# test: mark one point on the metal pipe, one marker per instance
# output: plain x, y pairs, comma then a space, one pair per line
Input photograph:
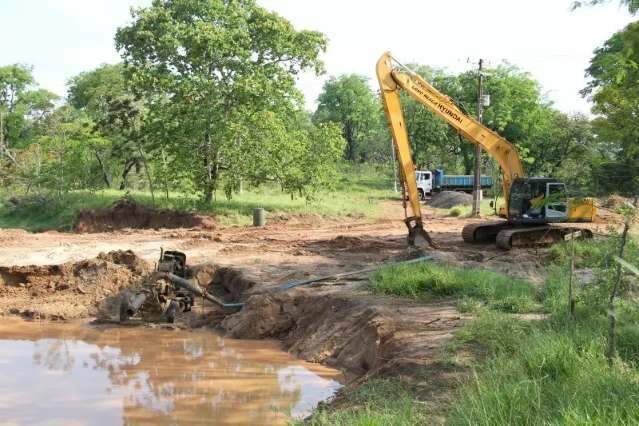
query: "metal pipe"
192, 287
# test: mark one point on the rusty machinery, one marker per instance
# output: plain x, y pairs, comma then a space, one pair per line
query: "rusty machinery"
168, 291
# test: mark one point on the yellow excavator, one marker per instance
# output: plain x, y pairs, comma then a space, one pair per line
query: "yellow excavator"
532, 204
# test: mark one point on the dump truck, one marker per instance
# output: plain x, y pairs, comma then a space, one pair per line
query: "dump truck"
429, 182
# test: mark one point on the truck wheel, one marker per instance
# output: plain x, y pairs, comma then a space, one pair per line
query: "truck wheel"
422, 197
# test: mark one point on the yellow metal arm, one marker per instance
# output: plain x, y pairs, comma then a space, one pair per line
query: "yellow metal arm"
391, 79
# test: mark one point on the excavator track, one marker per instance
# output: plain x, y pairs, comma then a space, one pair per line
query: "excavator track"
536, 236
483, 232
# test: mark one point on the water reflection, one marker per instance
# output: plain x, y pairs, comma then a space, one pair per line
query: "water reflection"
72, 374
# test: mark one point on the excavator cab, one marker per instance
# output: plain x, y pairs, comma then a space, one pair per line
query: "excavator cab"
537, 200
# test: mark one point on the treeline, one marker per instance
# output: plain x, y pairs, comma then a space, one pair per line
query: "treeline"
205, 100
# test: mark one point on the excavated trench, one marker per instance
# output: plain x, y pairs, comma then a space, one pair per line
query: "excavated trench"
345, 328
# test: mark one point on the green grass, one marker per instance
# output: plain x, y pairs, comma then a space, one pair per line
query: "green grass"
543, 371
423, 280
554, 371
378, 402
358, 193
539, 374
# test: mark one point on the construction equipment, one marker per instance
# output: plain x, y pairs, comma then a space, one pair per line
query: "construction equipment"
531, 204
168, 291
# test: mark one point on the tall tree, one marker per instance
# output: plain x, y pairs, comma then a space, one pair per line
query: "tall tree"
613, 88
209, 67
349, 101
518, 112
22, 107
103, 94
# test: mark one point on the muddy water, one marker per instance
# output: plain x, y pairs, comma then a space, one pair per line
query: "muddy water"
74, 374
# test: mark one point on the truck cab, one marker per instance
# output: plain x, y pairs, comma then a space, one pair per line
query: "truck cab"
424, 183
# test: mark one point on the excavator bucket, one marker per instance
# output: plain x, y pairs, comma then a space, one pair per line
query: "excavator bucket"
419, 237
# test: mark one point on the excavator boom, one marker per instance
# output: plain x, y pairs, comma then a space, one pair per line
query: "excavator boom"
394, 77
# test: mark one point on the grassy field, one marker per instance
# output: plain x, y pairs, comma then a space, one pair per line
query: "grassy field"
548, 370
357, 193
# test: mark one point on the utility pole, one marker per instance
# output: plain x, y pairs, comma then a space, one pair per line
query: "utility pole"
477, 179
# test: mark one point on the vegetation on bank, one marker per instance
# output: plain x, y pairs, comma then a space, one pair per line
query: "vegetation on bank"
475, 287
357, 193
551, 369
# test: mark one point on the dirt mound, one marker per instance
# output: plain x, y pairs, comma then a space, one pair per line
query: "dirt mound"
69, 290
127, 213
614, 201
356, 334
448, 199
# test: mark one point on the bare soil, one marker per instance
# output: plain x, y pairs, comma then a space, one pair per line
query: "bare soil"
126, 213
59, 276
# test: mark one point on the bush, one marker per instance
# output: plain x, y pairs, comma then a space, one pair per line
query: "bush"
455, 212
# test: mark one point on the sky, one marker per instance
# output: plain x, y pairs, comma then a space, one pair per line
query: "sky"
61, 38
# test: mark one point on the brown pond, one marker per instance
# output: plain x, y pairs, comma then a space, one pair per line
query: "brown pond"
75, 374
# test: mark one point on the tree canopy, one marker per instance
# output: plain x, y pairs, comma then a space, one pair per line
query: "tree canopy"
208, 71
613, 88
349, 101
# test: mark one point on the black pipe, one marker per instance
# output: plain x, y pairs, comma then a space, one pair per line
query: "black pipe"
192, 287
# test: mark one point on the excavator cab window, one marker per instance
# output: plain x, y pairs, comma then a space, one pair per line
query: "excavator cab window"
556, 204
520, 194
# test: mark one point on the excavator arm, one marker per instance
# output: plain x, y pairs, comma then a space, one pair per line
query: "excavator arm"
393, 77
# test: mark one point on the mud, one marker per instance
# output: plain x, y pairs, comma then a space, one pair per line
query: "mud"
77, 374
126, 213
69, 290
345, 327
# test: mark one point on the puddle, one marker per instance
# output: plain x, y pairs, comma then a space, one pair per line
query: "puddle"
73, 374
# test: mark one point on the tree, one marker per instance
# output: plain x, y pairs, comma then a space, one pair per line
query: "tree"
632, 5
433, 143
23, 107
70, 151
349, 102
518, 112
207, 69
103, 94
613, 88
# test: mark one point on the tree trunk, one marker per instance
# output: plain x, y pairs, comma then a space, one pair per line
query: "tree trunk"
350, 148
3, 145
105, 172
148, 175
211, 168
128, 165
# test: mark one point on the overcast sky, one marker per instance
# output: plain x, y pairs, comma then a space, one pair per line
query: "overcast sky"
61, 38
